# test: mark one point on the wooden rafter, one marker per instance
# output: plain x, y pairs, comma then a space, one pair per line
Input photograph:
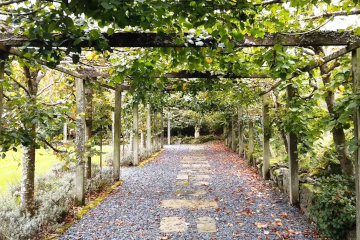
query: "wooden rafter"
135, 39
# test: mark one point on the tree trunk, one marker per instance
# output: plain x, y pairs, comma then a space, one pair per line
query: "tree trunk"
28, 157
136, 135
89, 121
117, 135
356, 82
337, 131
293, 155
28, 178
80, 143
266, 140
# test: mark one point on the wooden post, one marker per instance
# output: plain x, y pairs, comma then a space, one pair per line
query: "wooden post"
266, 140
136, 134
251, 141
80, 143
162, 129
117, 135
88, 120
233, 134
356, 83
2, 70
241, 132
155, 130
169, 130
148, 129
65, 133
113, 128
292, 155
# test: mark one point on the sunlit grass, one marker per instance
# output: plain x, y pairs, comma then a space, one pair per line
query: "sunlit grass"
10, 167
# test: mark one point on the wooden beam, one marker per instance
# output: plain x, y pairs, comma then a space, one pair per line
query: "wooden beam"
168, 129
117, 135
148, 129
209, 75
356, 82
136, 134
80, 143
266, 138
144, 40
292, 154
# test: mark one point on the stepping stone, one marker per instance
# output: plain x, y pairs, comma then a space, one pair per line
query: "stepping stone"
206, 225
185, 192
204, 166
200, 177
201, 183
195, 171
184, 177
173, 224
182, 183
194, 204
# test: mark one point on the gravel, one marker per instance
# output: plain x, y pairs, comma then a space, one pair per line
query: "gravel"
248, 208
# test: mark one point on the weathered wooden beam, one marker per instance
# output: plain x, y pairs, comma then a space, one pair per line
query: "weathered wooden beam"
80, 143
266, 138
356, 83
168, 129
241, 132
292, 154
162, 128
136, 39
233, 133
2, 71
136, 134
251, 142
209, 75
148, 129
117, 135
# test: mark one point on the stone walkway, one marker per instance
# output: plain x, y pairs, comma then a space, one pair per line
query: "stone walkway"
193, 192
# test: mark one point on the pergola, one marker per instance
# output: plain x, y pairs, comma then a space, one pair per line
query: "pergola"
351, 43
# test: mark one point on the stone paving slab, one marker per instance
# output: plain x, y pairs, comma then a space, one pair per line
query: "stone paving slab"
194, 204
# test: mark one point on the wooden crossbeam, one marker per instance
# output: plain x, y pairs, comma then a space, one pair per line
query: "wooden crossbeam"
136, 39
209, 75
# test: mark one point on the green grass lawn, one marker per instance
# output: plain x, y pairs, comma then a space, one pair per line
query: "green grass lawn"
10, 167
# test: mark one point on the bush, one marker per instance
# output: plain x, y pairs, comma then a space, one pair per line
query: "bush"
53, 199
334, 207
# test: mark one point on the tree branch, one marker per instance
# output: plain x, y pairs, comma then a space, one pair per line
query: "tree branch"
52, 147
11, 2
309, 67
20, 85
334, 14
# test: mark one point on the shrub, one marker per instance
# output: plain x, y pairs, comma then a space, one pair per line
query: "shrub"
334, 207
53, 198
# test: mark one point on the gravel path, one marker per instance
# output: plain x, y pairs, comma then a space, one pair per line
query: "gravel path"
193, 192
